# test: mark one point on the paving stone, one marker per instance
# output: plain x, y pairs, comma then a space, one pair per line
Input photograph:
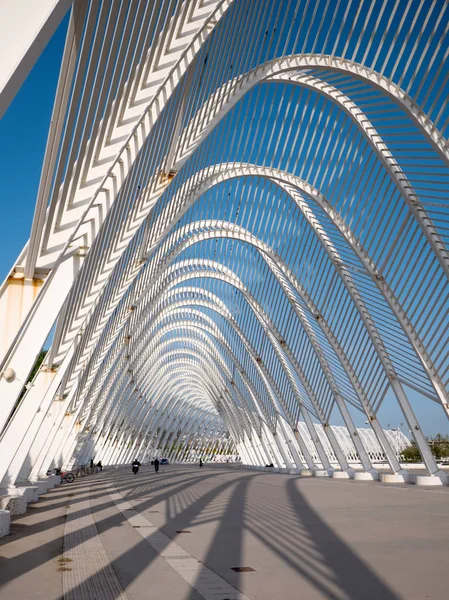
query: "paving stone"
88, 574
207, 583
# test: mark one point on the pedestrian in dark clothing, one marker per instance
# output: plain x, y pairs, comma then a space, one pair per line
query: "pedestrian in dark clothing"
91, 463
201, 464
156, 465
136, 465
99, 465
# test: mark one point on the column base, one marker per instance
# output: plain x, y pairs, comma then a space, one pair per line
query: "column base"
342, 474
15, 504
322, 472
306, 472
429, 479
366, 475
42, 485
401, 477
5, 522
56, 480
31, 492
52, 481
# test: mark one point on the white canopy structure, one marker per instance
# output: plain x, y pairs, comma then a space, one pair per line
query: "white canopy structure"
242, 224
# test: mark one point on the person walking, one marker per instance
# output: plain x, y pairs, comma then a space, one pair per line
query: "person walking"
156, 465
99, 465
201, 463
136, 465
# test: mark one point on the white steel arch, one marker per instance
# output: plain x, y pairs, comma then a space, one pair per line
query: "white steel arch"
241, 232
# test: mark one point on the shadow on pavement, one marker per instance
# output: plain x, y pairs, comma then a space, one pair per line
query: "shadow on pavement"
280, 519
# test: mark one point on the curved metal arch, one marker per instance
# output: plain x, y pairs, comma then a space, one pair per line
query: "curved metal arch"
276, 67
398, 92
163, 421
155, 415
227, 229
184, 400
216, 365
272, 72
314, 436
229, 351
231, 278
233, 90
230, 230
237, 423
216, 174
119, 372
143, 392
280, 352
371, 269
277, 397
146, 326
273, 335
104, 363
265, 316
348, 368
191, 395
161, 405
161, 369
350, 428
274, 341
252, 393
173, 308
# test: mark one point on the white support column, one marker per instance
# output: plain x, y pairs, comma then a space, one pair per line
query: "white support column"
279, 460
260, 452
259, 449
35, 329
281, 443
51, 451
118, 449
317, 442
243, 453
290, 440
19, 435
417, 433
16, 300
352, 430
271, 457
248, 454
183, 448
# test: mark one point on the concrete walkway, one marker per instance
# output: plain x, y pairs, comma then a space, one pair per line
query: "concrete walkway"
179, 534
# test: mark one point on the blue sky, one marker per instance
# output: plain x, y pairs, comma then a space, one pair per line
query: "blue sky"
23, 133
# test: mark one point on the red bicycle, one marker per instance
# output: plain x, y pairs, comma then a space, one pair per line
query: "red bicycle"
67, 476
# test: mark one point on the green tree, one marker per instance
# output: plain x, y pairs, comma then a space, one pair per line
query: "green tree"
440, 446
411, 454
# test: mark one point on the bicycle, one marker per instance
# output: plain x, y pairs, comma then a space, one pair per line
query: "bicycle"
67, 476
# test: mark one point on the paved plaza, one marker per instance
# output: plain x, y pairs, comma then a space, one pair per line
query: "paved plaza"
178, 535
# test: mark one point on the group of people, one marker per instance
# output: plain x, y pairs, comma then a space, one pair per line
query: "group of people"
136, 464
98, 465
